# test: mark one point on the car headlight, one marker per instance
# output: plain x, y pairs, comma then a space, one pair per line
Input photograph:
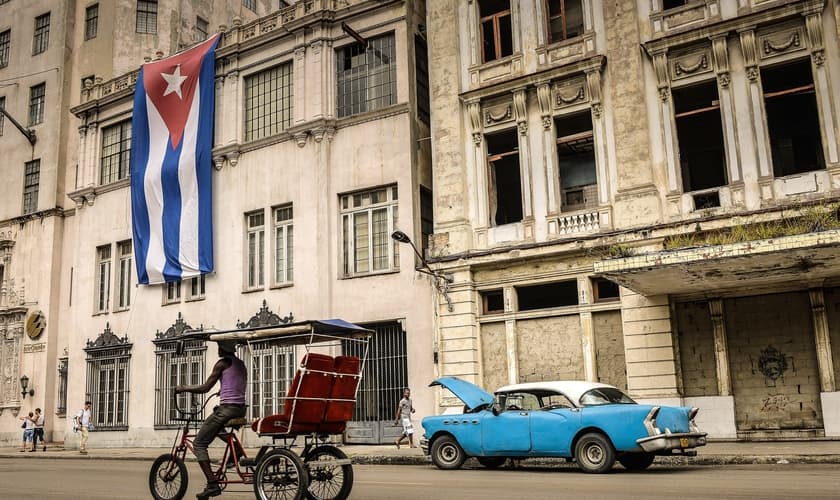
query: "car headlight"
692, 426
650, 422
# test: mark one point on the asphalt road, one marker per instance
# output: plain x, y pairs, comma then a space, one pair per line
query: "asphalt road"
118, 479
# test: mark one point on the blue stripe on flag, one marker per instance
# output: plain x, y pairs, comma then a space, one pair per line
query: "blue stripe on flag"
204, 163
171, 212
139, 160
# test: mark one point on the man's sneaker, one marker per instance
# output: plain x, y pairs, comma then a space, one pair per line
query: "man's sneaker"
212, 490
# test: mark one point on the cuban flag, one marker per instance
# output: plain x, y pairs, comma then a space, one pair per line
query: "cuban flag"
171, 165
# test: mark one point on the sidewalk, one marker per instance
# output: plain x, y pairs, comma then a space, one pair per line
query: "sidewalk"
716, 453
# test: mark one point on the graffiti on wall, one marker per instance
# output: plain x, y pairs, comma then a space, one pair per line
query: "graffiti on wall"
774, 403
773, 363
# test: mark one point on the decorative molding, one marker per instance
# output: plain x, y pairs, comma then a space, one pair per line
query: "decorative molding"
300, 138
264, 317
814, 31
720, 55
593, 81
497, 114
748, 50
11, 340
106, 340
769, 46
520, 106
474, 109
544, 100
701, 63
578, 94
233, 158
660, 67
176, 330
218, 162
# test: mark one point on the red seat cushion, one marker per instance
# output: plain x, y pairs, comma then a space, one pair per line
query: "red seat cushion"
310, 383
279, 424
347, 369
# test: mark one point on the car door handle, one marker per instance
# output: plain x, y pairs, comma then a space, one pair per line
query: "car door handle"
524, 413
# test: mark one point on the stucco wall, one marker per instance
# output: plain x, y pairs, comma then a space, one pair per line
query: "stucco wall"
493, 355
697, 348
549, 349
609, 348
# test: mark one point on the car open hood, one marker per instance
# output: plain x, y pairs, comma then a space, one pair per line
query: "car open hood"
472, 395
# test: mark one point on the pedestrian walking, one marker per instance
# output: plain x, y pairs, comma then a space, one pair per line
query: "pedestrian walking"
28, 427
82, 423
38, 430
404, 410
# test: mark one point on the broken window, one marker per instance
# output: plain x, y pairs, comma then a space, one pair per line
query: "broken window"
563, 293
565, 19
700, 136
672, 4
792, 118
496, 30
576, 161
505, 180
604, 290
493, 301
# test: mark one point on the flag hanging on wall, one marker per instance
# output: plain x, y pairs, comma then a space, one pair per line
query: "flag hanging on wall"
171, 165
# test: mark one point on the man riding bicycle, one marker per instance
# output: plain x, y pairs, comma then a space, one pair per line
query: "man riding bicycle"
230, 371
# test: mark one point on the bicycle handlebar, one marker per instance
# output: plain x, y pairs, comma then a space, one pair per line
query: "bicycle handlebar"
197, 410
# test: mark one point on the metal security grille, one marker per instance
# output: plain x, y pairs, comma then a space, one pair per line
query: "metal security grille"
271, 371
37, 102
268, 102
147, 16
107, 386
31, 181
385, 374
116, 150
61, 403
41, 40
366, 76
172, 370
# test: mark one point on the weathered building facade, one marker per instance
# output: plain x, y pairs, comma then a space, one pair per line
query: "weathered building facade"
321, 151
684, 150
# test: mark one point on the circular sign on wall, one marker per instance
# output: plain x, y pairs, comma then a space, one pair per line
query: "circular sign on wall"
35, 324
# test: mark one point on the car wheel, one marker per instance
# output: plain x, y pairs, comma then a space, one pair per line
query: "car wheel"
492, 462
447, 454
594, 453
636, 461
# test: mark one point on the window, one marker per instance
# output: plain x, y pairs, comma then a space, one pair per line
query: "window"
565, 19
201, 29
283, 245
172, 370
421, 64
172, 292
367, 77
103, 277
268, 102
271, 370
108, 363
37, 101
251, 4
91, 21
197, 288
604, 290
41, 39
505, 194
792, 118
147, 16
672, 4
368, 219
31, 180
5, 44
576, 162
116, 152
493, 302
496, 31
2, 116
61, 397
700, 136
255, 238
543, 296
427, 218
124, 276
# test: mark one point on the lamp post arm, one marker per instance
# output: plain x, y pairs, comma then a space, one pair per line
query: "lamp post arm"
28, 133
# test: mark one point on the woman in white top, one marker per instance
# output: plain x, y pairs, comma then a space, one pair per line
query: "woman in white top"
28, 431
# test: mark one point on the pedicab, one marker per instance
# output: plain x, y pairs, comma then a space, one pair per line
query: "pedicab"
320, 400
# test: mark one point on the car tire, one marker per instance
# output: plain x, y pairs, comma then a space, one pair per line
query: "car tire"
594, 453
492, 462
636, 461
447, 454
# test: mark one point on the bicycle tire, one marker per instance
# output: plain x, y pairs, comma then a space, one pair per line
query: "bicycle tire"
280, 475
166, 483
328, 482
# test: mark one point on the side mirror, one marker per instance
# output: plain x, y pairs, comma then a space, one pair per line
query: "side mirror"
496, 409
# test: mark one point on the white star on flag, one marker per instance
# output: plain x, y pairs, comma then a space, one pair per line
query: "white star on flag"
174, 81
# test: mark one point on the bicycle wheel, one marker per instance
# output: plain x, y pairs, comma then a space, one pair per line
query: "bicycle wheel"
280, 475
168, 478
328, 481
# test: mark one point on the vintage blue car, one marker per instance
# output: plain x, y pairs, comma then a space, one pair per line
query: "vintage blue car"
594, 424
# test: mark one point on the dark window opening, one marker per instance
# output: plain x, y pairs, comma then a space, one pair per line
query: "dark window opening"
563, 293
792, 118
576, 162
421, 63
672, 4
493, 302
91, 21
604, 290
565, 19
700, 136
505, 180
427, 217
496, 31
706, 200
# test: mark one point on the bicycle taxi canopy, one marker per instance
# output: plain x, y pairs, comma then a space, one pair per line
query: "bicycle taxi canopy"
298, 333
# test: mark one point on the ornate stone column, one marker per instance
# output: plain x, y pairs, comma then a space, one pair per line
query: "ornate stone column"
760, 138
520, 107
724, 381
822, 339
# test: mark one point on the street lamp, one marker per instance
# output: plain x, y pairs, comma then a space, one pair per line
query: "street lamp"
442, 281
24, 383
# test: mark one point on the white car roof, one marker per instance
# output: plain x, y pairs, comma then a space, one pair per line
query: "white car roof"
573, 389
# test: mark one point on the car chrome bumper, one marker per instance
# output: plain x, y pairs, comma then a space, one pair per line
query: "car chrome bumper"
424, 445
678, 441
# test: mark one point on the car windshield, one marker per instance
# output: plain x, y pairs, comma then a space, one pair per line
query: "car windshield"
604, 396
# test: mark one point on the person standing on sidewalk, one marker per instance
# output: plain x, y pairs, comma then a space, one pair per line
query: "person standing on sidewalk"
81, 422
232, 376
404, 410
28, 429
39, 430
